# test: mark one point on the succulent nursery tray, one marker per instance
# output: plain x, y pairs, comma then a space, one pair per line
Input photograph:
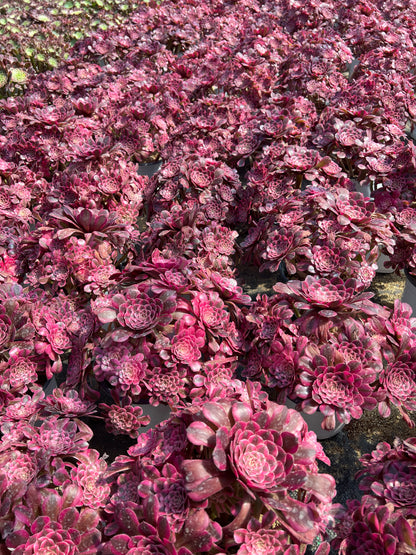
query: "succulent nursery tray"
195, 201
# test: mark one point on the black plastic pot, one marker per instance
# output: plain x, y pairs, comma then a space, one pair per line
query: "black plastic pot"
149, 169
409, 292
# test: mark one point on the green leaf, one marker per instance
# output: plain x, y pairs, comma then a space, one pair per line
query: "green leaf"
43, 18
3, 80
18, 75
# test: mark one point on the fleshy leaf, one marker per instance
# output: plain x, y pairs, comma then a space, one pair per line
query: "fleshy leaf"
215, 413
107, 315
200, 433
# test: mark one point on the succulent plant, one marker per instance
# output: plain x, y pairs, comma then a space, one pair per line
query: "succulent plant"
385, 515
222, 463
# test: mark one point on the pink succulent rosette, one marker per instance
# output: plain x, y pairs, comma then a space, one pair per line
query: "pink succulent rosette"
343, 391
124, 420
186, 344
374, 530
388, 475
399, 381
6, 329
324, 302
138, 312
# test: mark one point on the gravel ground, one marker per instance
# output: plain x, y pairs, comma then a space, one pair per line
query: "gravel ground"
387, 288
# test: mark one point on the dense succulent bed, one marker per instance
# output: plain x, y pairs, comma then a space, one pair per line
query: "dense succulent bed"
282, 139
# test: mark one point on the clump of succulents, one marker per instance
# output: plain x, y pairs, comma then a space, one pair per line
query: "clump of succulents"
323, 344
52, 485
221, 477
165, 336
384, 518
324, 231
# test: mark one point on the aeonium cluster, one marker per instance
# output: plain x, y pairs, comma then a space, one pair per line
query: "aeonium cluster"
385, 516
325, 345
38, 333
171, 335
52, 485
404, 221
326, 230
221, 477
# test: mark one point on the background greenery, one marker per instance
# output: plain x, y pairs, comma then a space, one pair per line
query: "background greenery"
37, 35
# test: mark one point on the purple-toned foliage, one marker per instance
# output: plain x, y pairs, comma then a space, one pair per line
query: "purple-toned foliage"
211, 471
324, 230
48, 502
384, 519
281, 134
332, 352
162, 334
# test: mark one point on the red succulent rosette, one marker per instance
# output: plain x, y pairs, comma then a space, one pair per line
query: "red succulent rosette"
258, 457
138, 310
340, 388
19, 373
263, 537
6, 329
284, 244
124, 420
50, 537
168, 385
186, 345
140, 313
397, 485
398, 381
19, 470
264, 451
324, 302
384, 518
328, 260
372, 530
60, 436
57, 530
89, 476
210, 309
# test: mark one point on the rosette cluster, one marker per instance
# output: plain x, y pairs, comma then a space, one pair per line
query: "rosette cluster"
240, 460
385, 517
166, 334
